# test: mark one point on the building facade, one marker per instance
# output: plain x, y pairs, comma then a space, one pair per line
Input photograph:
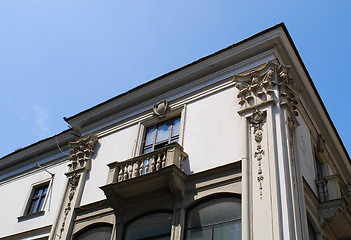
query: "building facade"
236, 145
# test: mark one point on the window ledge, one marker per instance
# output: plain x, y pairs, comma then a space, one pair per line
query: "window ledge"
31, 215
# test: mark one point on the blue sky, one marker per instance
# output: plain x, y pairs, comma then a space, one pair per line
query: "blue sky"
58, 57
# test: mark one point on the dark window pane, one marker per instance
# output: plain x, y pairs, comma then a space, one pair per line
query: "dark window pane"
227, 231
33, 206
153, 226
199, 234
101, 233
214, 211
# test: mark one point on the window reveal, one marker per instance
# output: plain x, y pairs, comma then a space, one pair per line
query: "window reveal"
37, 200
159, 135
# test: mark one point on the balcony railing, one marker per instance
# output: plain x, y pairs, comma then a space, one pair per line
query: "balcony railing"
331, 188
171, 154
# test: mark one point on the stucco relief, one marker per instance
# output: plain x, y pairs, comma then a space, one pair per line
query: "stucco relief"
81, 153
161, 108
73, 183
257, 120
268, 83
257, 86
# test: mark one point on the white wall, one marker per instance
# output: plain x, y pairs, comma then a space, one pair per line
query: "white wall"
14, 197
214, 131
305, 154
117, 146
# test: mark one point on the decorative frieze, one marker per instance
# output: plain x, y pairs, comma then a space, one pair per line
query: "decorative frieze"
257, 120
81, 153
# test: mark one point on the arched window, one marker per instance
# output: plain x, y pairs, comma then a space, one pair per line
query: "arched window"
215, 219
156, 226
101, 232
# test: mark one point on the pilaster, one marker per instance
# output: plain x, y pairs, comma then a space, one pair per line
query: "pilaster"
81, 153
268, 103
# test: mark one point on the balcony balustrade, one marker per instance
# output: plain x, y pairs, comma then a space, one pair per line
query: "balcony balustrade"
171, 154
331, 188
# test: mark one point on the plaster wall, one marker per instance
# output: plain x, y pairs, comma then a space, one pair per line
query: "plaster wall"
214, 132
117, 146
305, 154
15, 194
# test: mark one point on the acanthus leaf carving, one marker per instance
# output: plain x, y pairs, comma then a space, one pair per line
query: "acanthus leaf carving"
81, 152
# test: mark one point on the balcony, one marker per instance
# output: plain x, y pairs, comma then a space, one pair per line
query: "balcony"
156, 173
335, 204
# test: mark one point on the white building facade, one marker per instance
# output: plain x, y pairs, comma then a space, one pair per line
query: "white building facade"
236, 145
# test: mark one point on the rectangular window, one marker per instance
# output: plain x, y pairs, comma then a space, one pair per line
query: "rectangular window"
158, 135
37, 199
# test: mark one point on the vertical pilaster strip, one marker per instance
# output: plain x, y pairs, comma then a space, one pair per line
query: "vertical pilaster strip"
81, 153
268, 101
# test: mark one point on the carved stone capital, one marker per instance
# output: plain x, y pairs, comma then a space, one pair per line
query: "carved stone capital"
257, 86
287, 95
81, 153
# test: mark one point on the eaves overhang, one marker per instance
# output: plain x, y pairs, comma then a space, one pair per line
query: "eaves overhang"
248, 47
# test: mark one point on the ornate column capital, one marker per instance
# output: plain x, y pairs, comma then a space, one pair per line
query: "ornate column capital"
81, 153
256, 87
269, 83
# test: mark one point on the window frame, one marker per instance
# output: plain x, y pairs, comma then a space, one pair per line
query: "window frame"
210, 226
151, 120
156, 145
25, 212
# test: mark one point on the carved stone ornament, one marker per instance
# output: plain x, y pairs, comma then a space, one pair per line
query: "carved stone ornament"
257, 120
256, 86
287, 95
320, 143
327, 213
259, 86
73, 183
81, 153
161, 108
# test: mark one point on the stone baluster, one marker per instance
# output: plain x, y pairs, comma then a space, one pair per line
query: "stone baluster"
147, 165
135, 169
152, 164
164, 160
141, 167
158, 162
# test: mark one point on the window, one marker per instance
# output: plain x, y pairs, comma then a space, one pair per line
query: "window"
101, 232
156, 226
160, 134
215, 219
37, 199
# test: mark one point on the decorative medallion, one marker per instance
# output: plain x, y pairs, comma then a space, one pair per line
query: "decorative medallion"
161, 108
256, 121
